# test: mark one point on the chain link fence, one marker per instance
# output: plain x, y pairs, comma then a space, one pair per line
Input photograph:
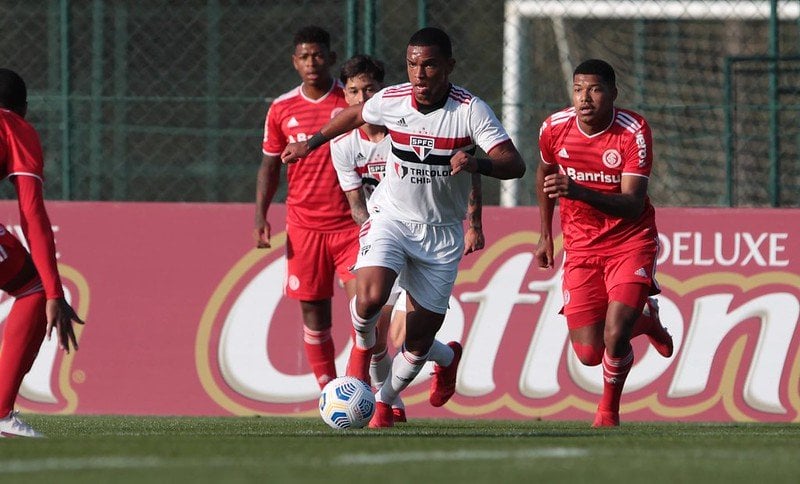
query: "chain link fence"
157, 100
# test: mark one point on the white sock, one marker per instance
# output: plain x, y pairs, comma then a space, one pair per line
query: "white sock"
380, 367
364, 328
405, 367
440, 353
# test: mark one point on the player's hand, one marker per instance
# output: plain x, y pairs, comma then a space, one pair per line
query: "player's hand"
293, 152
473, 240
61, 316
462, 161
557, 185
261, 234
544, 253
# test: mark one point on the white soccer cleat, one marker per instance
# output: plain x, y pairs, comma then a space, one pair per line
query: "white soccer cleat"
12, 426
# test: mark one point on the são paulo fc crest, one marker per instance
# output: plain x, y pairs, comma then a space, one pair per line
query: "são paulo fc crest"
422, 145
612, 158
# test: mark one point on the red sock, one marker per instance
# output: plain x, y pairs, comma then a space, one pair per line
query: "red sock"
23, 333
615, 371
321, 354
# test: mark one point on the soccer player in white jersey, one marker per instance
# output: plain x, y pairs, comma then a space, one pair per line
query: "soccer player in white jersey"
360, 161
419, 208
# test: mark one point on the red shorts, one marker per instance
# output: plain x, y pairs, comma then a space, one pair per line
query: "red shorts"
17, 273
592, 281
313, 258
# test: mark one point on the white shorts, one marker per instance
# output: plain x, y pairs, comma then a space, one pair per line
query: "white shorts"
394, 295
425, 256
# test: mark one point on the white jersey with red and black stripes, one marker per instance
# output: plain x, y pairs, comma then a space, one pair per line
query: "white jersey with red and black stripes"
418, 186
359, 161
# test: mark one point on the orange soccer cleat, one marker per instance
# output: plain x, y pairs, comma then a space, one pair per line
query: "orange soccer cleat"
383, 416
443, 384
658, 335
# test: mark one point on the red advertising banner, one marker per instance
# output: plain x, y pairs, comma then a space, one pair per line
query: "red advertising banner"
185, 317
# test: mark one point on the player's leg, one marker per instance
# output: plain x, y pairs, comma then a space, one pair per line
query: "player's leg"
624, 308
310, 276
585, 307
23, 333
373, 285
429, 278
23, 330
381, 362
318, 340
379, 261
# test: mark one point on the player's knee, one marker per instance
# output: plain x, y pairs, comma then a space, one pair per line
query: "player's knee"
589, 355
369, 303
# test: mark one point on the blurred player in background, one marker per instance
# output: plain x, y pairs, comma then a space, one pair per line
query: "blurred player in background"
31, 278
596, 160
360, 160
418, 209
321, 237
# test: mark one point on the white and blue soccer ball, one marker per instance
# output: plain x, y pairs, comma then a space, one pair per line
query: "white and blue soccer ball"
346, 403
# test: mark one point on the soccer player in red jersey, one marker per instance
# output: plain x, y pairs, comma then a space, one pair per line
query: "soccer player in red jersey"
596, 161
416, 230
31, 278
321, 237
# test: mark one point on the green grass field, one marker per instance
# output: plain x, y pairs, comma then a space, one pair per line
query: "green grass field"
117, 449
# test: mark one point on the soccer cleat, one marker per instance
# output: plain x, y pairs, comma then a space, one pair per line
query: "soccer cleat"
12, 426
606, 418
658, 335
383, 416
358, 363
399, 415
443, 384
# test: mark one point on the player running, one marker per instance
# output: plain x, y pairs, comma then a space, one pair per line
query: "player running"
596, 160
360, 160
419, 207
31, 278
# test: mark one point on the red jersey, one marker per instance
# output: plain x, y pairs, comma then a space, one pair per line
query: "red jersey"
599, 162
21, 156
314, 200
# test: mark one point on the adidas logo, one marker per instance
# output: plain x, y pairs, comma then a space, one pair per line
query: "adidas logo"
563, 153
402, 122
360, 157
641, 272
292, 123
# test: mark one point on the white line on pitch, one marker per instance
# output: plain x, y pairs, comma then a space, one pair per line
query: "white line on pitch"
459, 455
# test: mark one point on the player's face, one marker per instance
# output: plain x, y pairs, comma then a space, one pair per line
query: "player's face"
360, 88
593, 101
428, 72
313, 62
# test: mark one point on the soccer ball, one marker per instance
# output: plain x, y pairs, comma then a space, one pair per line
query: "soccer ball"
346, 403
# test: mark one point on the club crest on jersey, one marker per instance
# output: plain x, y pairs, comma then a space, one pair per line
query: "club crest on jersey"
422, 146
612, 158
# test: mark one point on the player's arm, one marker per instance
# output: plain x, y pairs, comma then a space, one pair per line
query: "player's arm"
267, 183
349, 119
504, 162
39, 233
358, 205
474, 238
628, 204
544, 248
